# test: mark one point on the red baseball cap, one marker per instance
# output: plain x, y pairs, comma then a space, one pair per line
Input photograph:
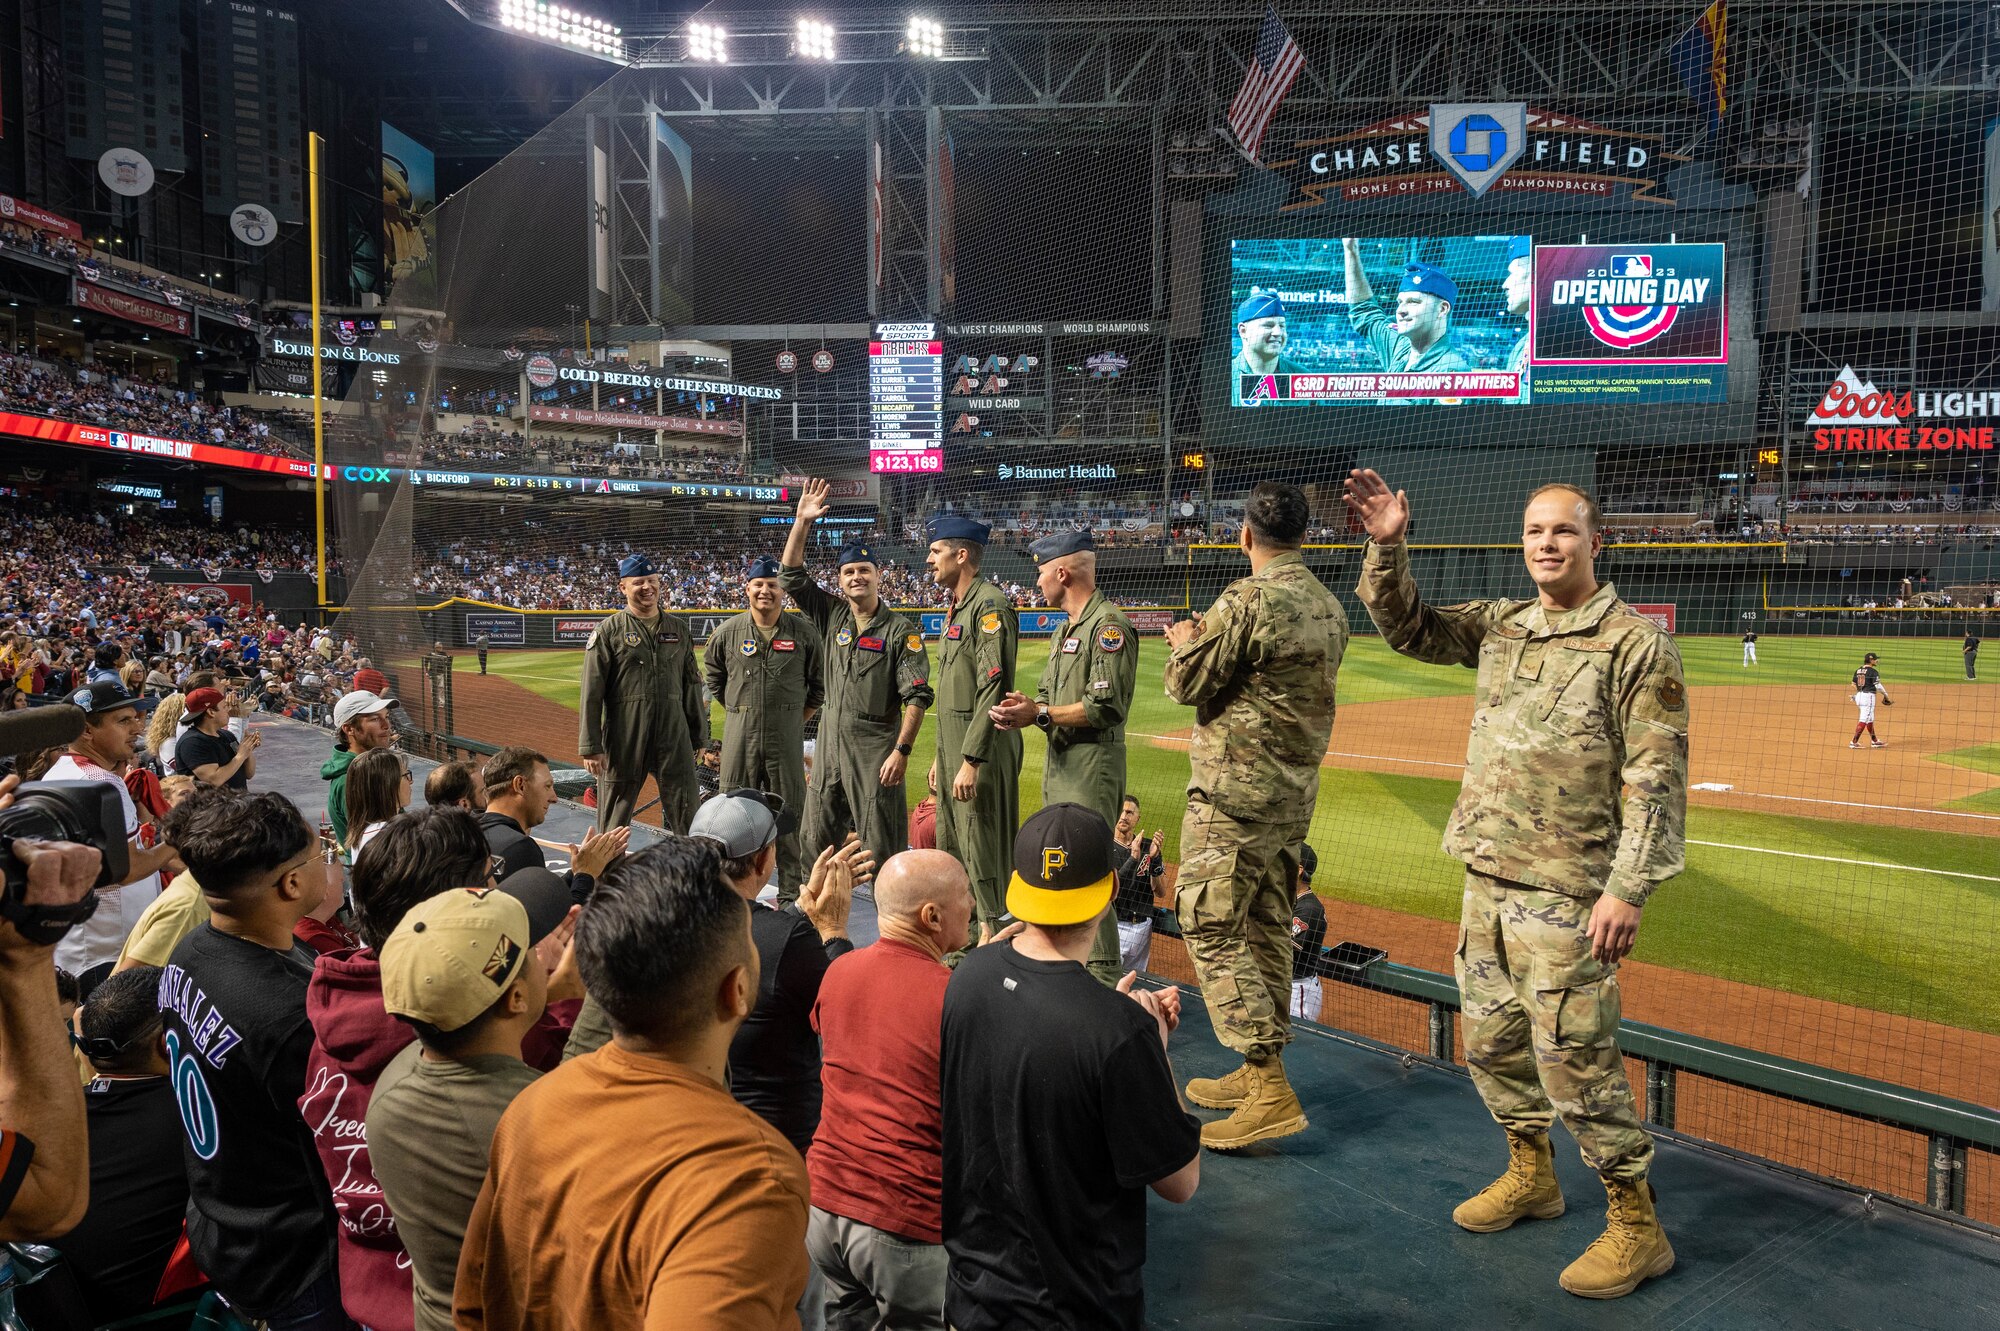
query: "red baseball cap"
201, 700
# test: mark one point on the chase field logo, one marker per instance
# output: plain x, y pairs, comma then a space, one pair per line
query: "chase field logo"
1628, 305
1478, 141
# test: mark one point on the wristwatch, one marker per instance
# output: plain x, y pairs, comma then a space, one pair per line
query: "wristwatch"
1042, 715
903, 749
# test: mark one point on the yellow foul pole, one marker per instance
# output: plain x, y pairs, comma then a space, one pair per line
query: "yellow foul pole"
319, 398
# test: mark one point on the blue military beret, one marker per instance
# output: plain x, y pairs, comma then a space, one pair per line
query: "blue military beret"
1431, 281
763, 566
1059, 543
1259, 305
1520, 247
854, 552
636, 566
959, 529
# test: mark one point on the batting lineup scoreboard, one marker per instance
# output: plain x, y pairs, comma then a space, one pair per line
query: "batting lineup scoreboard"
906, 398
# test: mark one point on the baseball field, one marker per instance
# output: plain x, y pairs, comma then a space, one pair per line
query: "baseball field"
1868, 878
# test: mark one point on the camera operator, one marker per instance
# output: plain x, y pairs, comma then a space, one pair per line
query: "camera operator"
113, 722
44, 1167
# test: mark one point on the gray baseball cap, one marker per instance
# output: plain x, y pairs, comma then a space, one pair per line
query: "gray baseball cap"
743, 822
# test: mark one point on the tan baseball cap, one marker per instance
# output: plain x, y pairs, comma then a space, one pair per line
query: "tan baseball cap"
454, 955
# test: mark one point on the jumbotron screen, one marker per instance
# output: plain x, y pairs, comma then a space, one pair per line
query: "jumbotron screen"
1447, 321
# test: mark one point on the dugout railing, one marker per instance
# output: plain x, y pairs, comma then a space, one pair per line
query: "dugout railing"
1952, 1129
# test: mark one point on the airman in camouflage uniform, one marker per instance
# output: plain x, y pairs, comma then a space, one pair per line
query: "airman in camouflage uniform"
1082, 700
1259, 670
764, 667
641, 705
1570, 815
877, 690
978, 765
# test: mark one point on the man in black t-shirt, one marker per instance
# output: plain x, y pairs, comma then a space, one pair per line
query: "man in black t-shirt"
1308, 937
138, 1185
206, 751
1136, 859
1060, 1109
260, 1220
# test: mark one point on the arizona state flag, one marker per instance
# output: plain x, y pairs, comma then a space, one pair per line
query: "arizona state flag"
1701, 58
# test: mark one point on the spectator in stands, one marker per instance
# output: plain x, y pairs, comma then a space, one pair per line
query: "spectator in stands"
260, 1219
362, 722
378, 788
877, 1163
181, 907
113, 720
456, 785
519, 793
462, 969
353, 1039
708, 771
159, 681
1308, 938
206, 751
923, 818
138, 1185
697, 1207
105, 658
1060, 1110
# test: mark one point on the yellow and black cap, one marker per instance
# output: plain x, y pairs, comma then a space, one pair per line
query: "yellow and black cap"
1062, 867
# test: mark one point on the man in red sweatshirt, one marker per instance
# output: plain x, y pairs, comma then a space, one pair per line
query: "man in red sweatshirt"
415, 857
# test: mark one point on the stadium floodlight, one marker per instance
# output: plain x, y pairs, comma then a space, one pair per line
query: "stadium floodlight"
564, 26
709, 42
814, 40
925, 37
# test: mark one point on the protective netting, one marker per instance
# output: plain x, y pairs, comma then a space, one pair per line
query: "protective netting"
1759, 342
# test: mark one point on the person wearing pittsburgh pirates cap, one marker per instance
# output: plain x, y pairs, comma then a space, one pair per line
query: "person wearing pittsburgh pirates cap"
764, 667
1260, 329
461, 969
1418, 340
1083, 699
1059, 1103
641, 705
878, 686
977, 771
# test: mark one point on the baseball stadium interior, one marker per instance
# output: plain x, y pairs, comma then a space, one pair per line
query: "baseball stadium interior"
364, 346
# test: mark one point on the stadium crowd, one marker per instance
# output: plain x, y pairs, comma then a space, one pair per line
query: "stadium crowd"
90, 394
39, 539
488, 446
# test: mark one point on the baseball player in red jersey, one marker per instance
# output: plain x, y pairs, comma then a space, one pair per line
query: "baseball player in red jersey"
1867, 688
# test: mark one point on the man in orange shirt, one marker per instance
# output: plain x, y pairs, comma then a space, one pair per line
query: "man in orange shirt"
627, 1189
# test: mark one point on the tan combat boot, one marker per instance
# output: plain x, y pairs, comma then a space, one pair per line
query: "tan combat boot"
1527, 1190
1221, 1092
1632, 1247
1270, 1110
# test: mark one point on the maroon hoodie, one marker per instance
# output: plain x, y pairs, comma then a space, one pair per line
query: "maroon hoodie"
353, 1040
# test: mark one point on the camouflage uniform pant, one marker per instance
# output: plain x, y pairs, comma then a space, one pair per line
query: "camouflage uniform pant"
1234, 898
1541, 1022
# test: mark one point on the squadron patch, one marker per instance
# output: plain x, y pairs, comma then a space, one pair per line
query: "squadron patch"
844, 637
1110, 638
955, 632
748, 647
990, 623
913, 643
1672, 694
631, 637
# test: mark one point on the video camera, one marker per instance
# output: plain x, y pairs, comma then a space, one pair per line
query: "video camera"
88, 813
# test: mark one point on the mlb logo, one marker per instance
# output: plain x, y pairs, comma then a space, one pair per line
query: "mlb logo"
120, 440
1631, 265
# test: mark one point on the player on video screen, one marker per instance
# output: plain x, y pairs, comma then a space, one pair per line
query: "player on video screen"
1418, 340
1260, 324
1516, 286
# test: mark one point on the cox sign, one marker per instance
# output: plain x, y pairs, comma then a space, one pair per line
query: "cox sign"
368, 475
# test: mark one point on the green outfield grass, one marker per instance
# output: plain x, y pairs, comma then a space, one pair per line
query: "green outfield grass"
1898, 940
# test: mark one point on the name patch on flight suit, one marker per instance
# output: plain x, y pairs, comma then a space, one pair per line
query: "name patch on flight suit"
670, 639
955, 632
870, 644
1070, 645
783, 645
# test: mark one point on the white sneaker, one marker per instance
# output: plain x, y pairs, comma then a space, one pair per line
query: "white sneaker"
1853, 744
1877, 744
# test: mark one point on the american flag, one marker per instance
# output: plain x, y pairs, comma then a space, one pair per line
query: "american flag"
1275, 63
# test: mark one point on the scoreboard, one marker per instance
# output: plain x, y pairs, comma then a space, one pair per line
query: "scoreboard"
906, 398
